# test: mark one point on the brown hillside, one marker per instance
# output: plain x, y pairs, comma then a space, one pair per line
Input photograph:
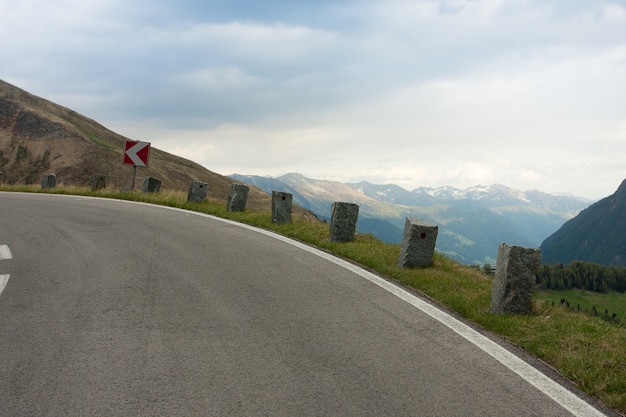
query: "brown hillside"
39, 137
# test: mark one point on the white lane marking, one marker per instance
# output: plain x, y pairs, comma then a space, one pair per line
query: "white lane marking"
567, 399
4, 279
5, 252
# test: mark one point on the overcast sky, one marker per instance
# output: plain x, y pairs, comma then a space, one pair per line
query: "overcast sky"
526, 93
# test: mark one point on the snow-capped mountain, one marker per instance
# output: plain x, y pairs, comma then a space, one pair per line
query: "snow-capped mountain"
491, 195
472, 222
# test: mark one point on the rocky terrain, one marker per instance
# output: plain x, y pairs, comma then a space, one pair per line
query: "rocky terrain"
39, 137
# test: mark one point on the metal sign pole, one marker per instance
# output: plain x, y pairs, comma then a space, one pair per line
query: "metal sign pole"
132, 178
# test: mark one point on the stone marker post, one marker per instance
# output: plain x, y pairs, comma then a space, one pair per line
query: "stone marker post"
197, 192
150, 185
343, 220
281, 207
515, 278
98, 182
418, 243
237, 198
49, 181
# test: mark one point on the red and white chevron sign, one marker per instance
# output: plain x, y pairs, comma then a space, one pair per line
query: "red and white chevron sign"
136, 153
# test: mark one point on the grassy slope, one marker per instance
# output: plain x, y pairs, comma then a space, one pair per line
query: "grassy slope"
589, 351
612, 301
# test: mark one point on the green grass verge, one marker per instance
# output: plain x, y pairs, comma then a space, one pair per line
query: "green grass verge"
589, 351
606, 304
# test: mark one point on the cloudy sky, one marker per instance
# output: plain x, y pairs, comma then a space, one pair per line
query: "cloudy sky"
525, 93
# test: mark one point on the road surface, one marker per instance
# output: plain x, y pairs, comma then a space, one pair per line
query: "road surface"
122, 309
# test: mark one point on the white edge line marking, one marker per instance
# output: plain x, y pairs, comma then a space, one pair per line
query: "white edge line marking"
552, 389
549, 387
5, 252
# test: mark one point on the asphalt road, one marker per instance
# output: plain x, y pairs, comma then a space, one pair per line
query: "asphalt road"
122, 309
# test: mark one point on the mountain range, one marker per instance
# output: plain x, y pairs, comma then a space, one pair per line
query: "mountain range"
472, 222
38, 136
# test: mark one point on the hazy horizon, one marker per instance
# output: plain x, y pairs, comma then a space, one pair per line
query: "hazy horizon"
556, 193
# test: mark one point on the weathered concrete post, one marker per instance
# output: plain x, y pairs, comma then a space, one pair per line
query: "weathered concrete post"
49, 181
197, 192
515, 278
343, 220
418, 243
237, 198
98, 182
281, 207
150, 185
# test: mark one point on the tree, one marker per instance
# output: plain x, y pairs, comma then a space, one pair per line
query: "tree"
584, 275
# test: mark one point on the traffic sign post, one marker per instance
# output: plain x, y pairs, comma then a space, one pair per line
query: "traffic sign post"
137, 154
132, 178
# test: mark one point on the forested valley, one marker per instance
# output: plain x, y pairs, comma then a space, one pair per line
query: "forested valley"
584, 275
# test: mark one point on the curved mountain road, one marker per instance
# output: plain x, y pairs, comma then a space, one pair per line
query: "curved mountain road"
116, 308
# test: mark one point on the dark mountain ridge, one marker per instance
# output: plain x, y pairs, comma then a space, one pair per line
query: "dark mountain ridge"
597, 234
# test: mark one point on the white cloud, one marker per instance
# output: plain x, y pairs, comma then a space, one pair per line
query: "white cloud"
615, 11
216, 79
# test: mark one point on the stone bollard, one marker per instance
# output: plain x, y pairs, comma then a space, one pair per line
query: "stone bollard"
515, 279
418, 244
237, 198
281, 207
150, 185
343, 220
98, 182
49, 181
197, 192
